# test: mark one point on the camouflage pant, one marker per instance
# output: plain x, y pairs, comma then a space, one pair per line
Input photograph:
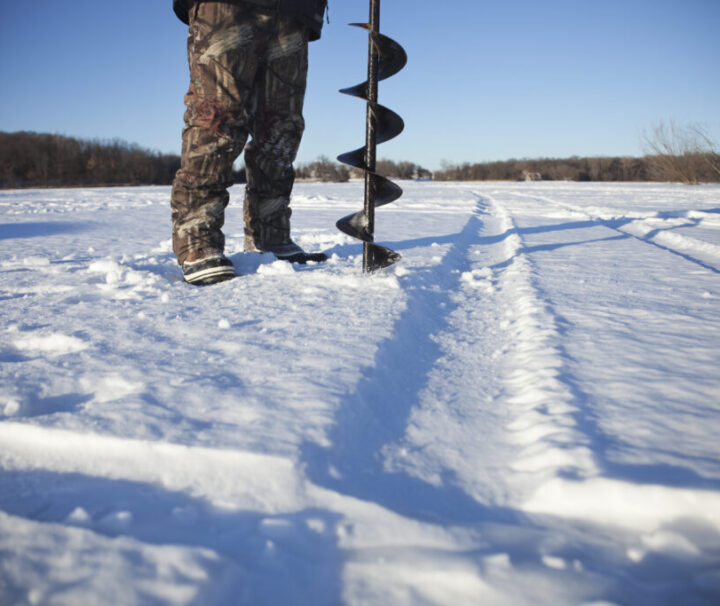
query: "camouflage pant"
248, 68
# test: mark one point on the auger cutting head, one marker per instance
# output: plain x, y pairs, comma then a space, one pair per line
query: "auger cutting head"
385, 58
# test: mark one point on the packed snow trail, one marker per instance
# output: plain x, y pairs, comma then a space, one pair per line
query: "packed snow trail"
528, 415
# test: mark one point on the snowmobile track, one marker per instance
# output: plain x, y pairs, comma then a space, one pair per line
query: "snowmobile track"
696, 248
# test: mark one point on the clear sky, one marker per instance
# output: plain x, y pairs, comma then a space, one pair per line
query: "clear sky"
484, 81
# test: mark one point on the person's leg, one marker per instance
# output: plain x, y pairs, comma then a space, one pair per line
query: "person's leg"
222, 52
277, 127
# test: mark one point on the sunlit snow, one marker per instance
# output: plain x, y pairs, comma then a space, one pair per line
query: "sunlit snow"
523, 411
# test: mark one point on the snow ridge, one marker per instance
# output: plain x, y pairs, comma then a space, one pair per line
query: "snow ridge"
224, 478
490, 378
543, 425
653, 228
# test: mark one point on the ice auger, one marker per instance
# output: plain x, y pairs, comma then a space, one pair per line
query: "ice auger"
385, 58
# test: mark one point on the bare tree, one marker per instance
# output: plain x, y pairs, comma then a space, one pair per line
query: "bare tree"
682, 153
711, 150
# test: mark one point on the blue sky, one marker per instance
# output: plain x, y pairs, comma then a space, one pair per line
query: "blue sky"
484, 81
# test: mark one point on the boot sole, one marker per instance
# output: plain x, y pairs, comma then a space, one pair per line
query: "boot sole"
209, 271
210, 276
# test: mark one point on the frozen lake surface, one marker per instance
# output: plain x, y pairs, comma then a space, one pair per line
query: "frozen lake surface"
523, 411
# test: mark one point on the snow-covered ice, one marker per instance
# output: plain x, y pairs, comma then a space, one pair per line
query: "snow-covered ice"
523, 411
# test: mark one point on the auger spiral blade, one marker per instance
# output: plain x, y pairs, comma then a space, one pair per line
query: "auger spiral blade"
385, 58
391, 59
389, 125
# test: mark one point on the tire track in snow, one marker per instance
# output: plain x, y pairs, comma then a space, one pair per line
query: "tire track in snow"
361, 461
581, 491
465, 411
508, 422
542, 399
704, 254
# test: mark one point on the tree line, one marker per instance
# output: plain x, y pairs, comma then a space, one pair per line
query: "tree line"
550, 169
324, 169
676, 153
685, 168
30, 159
691, 167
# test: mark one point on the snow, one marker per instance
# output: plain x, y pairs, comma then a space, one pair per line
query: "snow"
523, 411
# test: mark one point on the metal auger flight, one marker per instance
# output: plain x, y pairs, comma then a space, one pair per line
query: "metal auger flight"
385, 58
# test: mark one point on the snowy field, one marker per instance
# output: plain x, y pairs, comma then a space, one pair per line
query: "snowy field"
524, 411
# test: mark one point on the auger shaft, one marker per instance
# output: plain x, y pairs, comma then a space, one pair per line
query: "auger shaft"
371, 133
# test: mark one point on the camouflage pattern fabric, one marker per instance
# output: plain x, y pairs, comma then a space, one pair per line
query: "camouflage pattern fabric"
248, 69
308, 12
